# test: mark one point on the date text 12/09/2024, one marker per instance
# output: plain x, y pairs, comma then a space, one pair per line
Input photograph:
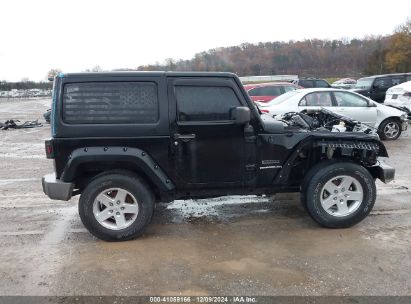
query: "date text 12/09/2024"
203, 299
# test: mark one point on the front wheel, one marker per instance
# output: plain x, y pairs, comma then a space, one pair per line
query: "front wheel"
390, 129
340, 195
116, 206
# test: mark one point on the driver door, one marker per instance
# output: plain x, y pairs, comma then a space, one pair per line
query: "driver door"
207, 146
355, 107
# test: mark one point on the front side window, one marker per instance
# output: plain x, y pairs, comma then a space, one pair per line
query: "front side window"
110, 103
317, 99
345, 99
205, 103
383, 83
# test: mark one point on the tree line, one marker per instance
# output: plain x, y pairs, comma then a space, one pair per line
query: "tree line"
311, 57
24, 85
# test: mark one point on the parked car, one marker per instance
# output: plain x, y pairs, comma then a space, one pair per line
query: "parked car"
264, 92
124, 141
47, 115
376, 86
390, 122
399, 96
312, 83
344, 83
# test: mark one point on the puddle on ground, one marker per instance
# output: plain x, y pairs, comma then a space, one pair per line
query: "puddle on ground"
223, 209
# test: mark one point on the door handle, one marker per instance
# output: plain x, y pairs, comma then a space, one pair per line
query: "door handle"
184, 137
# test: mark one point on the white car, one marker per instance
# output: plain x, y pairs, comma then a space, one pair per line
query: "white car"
345, 83
399, 96
389, 122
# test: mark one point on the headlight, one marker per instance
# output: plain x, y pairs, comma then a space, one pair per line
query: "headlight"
404, 116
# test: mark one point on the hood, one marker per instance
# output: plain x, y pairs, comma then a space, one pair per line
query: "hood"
389, 110
400, 88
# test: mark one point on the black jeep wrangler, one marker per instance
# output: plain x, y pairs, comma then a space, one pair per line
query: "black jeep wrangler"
125, 141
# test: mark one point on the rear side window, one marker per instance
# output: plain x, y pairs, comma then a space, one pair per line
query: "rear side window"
317, 99
306, 83
265, 91
397, 80
110, 103
321, 84
202, 103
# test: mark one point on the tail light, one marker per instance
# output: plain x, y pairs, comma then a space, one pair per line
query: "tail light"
407, 94
264, 111
49, 149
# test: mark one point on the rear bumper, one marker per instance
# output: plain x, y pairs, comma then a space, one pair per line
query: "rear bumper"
386, 173
55, 188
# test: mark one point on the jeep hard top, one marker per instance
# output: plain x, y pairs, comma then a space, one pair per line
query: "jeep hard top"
127, 140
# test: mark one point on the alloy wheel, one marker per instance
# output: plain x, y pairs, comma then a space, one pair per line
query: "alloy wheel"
391, 130
115, 208
341, 196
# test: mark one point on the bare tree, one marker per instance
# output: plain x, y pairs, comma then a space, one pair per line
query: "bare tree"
53, 73
95, 68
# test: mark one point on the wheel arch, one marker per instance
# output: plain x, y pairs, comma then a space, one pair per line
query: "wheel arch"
85, 163
386, 119
312, 151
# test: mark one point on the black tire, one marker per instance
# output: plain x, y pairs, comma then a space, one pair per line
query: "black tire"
124, 180
325, 172
383, 129
308, 177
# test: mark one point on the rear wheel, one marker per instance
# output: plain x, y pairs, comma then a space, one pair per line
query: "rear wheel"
116, 207
340, 194
390, 129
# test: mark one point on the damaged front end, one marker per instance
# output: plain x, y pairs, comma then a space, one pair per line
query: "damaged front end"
332, 136
322, 120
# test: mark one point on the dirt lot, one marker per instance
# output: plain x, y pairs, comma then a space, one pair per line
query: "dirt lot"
226, 246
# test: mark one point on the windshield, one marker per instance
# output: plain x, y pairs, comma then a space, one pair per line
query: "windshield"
364, 83
282, 98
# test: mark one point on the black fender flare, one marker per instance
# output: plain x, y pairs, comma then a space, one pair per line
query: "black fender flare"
134, 156
348, 141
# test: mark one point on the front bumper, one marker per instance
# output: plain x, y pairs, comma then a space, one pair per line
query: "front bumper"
385, 172
55, 188
404, 125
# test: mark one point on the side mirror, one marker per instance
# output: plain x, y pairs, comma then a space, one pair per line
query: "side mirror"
241, 115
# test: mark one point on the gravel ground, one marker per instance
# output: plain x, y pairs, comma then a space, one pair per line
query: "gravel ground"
224, 246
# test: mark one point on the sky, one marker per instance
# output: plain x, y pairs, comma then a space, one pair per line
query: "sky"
38, 35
